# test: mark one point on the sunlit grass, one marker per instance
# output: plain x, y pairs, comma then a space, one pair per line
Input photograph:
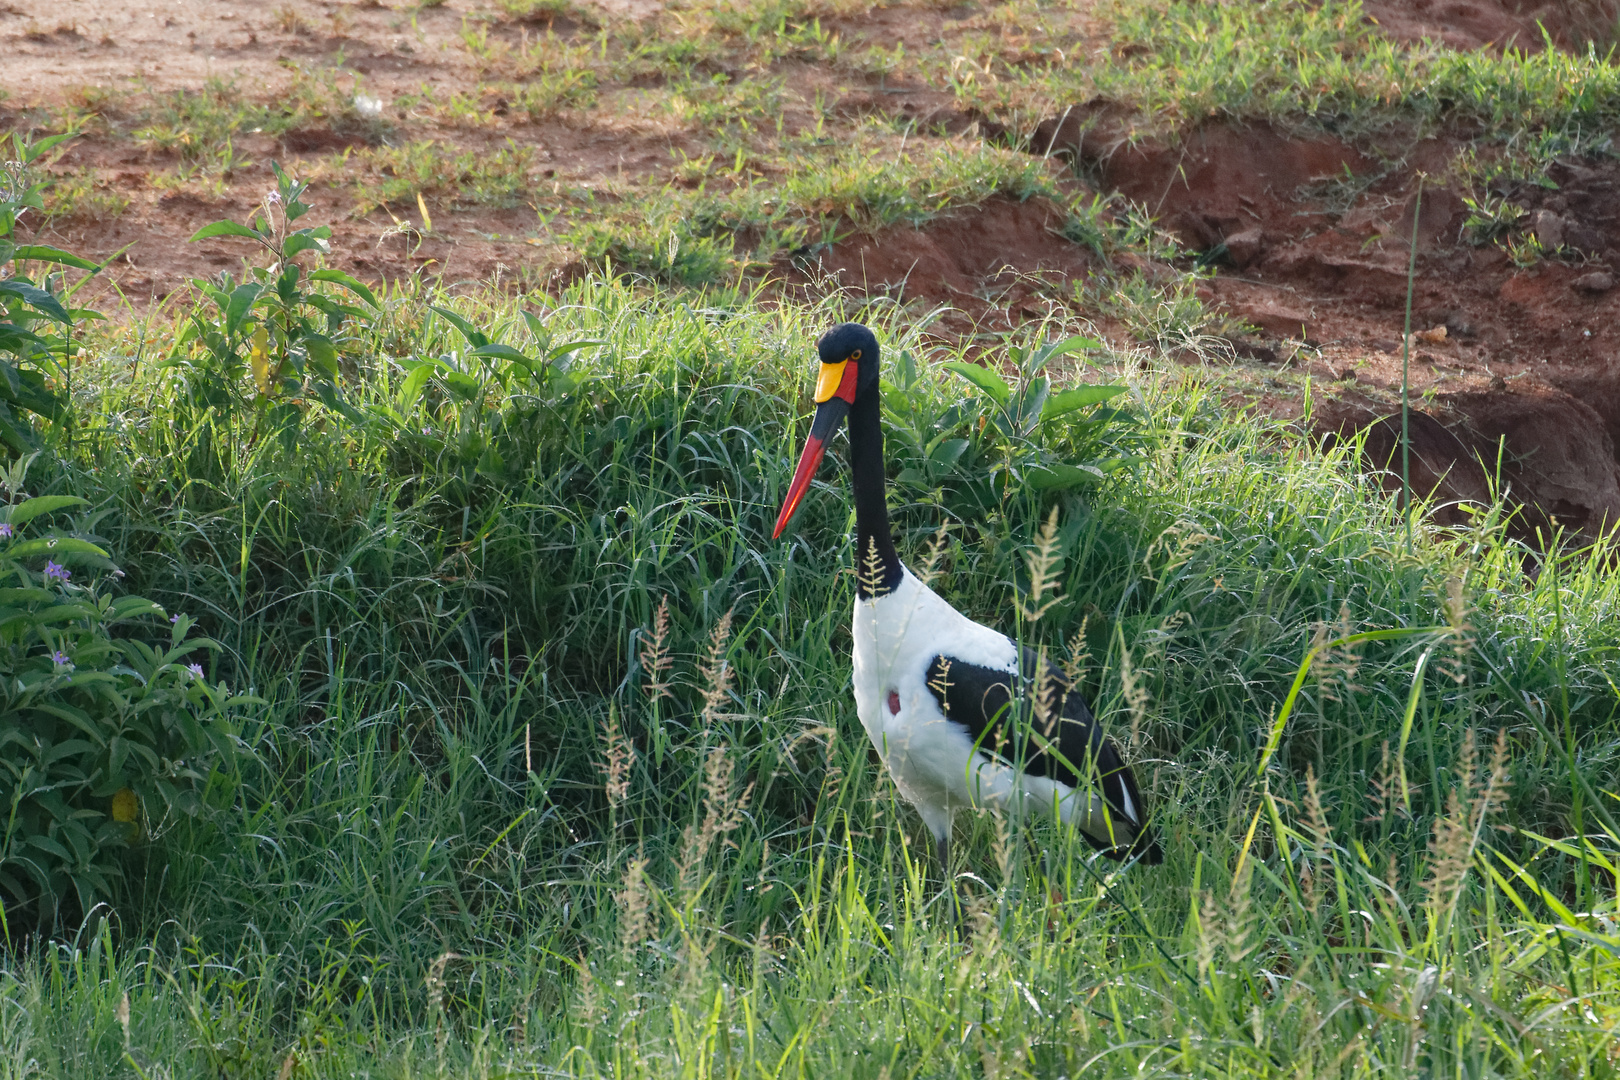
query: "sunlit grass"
479, 841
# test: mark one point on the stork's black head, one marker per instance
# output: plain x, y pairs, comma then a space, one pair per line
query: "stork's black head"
849, 369
847, 343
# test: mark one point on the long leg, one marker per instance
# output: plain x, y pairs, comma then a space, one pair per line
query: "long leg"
942, 848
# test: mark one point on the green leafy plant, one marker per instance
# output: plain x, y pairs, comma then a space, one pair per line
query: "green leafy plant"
463, 391
36, 317
272, 341
107, 732
1490, 218
1008, 416
1006, 437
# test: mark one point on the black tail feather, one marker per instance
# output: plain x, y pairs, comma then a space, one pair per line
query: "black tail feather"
1124, 800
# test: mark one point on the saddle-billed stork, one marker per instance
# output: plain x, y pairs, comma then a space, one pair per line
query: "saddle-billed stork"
934, 689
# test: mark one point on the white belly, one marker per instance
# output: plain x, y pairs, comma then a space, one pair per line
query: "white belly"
933, 761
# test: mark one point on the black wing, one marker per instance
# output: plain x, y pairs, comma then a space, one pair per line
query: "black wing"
1071, 745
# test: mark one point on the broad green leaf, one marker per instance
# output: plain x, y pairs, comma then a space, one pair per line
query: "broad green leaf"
1059, 476
301, 242
1033, 400
1076, 343
31, 151
63, 613
126, 606
949, 451
411, 388
542, 336
503, 352
36, 298
25, 596
1077, 397
14, 339
474, 336
323, 355
225, 228
239, 304
53, 546
463, 386
45, 253
983, 378
29, 509
338, 277
559, 351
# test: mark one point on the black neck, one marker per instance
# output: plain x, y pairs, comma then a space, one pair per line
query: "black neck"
872, 539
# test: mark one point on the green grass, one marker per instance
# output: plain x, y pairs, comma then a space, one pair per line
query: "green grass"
1306, 65
476, 843
502, 177
690, 237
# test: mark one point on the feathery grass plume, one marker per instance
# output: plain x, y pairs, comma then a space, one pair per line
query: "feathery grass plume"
1210, 933
635, 908
1238, 918
589, 1003
1336, 667
1455, 606
1470, 807
1045, 707
723, 809
717, 673
1043, 561
655, 657
1316, 823
936, 551
1383, 787
1136, 696
435, 990
1180, 542
1076, 662
619, 759
1078, 653
1001, 845
761, 881
870, 572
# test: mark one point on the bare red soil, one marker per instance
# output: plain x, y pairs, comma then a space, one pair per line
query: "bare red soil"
1515, 368
1516, 371
1498, 24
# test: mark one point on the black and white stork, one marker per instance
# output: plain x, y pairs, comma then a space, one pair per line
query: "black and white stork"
935, 690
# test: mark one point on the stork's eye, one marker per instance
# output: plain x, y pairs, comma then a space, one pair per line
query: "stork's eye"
856, 355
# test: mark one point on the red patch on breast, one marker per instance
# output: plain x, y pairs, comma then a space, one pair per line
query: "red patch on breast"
894, 703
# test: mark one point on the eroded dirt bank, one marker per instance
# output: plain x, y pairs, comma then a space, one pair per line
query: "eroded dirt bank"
1514, 356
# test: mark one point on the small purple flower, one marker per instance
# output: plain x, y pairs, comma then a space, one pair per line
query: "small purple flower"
273, 199
55, 571
174, 618
60, 659
196, 670
5, 529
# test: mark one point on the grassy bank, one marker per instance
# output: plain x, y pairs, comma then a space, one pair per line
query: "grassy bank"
502, 814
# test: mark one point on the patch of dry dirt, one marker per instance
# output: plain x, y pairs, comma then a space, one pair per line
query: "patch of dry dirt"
1497, 24
1517, 371
1313, 239
989, 263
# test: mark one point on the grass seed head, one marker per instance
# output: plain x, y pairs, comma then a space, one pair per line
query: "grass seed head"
1044, 562
620, 758
655, 657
